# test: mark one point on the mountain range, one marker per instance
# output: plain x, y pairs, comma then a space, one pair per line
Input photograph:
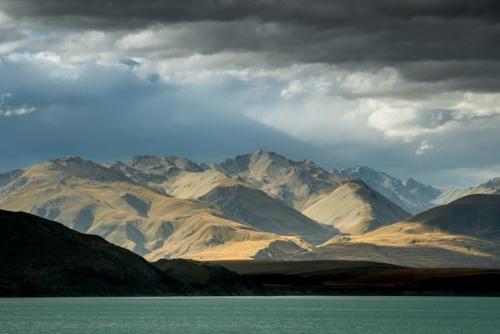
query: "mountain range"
260, 206
411, 195
42, 258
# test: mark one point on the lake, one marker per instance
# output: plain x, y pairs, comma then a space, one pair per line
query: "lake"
188, 315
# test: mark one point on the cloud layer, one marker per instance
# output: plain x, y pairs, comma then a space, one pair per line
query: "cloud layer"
412, 89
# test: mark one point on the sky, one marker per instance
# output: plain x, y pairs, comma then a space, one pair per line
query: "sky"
410, 87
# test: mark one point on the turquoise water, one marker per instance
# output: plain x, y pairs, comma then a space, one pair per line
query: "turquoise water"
343, 315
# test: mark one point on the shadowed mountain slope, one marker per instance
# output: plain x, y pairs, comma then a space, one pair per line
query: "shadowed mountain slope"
365, 278
256, 208
209, 278
492, 187
474, 215
44, 258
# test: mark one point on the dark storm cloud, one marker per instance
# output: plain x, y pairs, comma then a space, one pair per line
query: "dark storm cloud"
443, 49
463, 34
309, 12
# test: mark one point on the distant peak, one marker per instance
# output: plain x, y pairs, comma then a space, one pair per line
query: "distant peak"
360, 168
494, 183
86, 169
310, 163
69, 158
144, 158
411, 181
72, 160
164, 164
262, 152
268, 154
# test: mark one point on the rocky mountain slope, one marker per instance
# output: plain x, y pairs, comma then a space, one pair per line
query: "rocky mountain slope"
256, 208
178, 177
490, 187
294, 182
95, 199
412, 196
353, 208
327, 198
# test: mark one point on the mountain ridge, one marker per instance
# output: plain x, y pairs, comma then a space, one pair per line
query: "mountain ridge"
99, 200
409, 194
254, 206
491, 186
288, 180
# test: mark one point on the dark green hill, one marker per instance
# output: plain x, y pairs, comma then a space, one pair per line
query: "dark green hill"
43, 258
